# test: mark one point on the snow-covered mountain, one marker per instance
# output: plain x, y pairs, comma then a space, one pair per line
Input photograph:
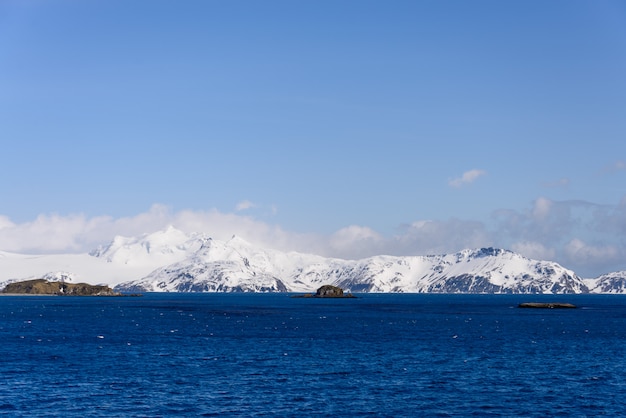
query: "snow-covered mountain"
236, 265
173, 261
609, 283
156, 249
122, 260
485, 270
77, 267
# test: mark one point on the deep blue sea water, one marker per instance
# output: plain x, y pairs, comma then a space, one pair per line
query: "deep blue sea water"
272, 355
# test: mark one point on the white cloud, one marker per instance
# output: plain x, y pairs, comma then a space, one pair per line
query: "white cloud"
534, 250
222, 226
244, 205
564, 229
467, 178
75, 232
354, 241
5, 222
581, 253
78, 233
546, 221
438, 237
541, 208
550, 230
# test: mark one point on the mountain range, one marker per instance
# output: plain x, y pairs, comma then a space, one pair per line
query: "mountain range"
173, 261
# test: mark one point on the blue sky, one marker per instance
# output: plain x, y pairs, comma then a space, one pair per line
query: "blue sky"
347, 128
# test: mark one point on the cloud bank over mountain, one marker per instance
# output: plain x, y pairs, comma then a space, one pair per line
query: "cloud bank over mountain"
584, 236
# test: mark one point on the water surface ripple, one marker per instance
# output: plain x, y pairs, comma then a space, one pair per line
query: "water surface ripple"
271, 355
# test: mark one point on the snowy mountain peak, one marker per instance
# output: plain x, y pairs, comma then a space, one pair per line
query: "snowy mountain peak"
237, 241
487, 252
156, 248
238, 265
171, 260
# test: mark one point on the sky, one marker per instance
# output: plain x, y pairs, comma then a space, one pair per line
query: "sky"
341, 128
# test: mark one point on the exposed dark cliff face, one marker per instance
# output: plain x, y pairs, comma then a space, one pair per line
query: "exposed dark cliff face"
611, 283
44, 287
328, 291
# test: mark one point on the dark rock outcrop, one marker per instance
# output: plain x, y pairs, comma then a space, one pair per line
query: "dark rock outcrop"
539, 305
327, 291
44, 287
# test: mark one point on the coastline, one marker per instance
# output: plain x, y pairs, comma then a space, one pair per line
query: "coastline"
27, 294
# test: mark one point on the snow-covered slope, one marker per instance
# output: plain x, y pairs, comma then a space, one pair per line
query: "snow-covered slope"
153, 250
486, 270
173, 261
76, 268
236, 265
122, 260
609, 283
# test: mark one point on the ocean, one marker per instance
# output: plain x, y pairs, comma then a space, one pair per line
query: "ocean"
381, 355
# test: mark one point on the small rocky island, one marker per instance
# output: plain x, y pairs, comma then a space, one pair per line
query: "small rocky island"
44, 287
551, 305
327, 291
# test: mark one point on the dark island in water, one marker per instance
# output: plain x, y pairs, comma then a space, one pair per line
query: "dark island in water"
549, 305
44, 287
327, 291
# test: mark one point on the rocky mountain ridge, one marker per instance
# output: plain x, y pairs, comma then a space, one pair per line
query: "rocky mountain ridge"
609, 283
173, 261
237, 266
